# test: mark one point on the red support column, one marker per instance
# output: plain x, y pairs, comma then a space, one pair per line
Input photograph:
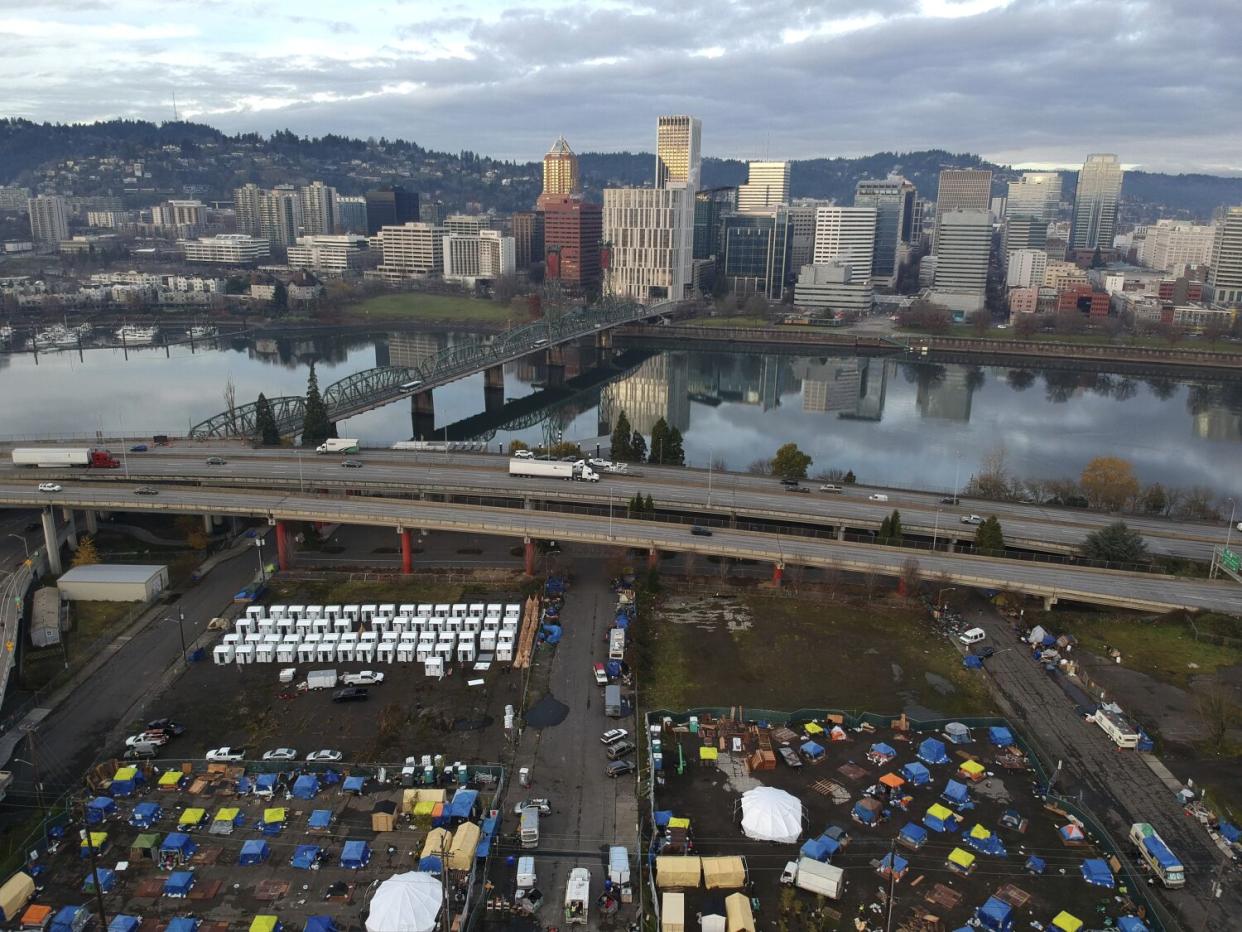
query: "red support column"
778, 572
653, 559
282, 546
530, 556
407, 555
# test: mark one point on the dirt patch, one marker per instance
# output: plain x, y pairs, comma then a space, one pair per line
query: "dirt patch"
708, 614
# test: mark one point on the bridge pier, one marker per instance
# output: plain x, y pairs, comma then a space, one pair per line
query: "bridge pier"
209, 525
71, 526
92, 521
423, 415
528, 553
407, 551
493, 389
554, 363
51, 542
778, 573
1049, 602
653, 559
284, 555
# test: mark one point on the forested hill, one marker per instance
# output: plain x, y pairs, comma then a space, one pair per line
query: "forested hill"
183, 157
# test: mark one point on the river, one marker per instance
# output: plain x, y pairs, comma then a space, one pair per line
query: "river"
892, 422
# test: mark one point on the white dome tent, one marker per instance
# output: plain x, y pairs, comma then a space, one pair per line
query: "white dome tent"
408, 902
769, 814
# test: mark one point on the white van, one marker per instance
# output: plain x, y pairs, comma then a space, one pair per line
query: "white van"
973, 636
530, 827
877, 497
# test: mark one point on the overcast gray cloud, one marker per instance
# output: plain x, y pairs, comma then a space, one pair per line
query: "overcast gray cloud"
1023, 81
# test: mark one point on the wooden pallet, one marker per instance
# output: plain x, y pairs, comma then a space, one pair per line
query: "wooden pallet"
1014, 896
942, 896
270, 890
833, 790
530, 628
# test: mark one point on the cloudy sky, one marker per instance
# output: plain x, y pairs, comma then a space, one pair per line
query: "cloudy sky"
1022, 81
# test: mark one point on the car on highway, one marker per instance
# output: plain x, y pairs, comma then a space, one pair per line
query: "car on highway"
362, 678
406, 386
597, 463
613, 735
166, 725
950, 500
49, 487
138, 448
601, 675
351, 694
280, 754
543, 805
619, 768
835, 489
618, 467
323, 757
523, 455
789, 483
146, 490
226, 754
216, 461
971, 519
699, 531
877, 497
797, 488
158, 738
351, 464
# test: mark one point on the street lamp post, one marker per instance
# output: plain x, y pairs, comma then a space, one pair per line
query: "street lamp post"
957, 468
258, 542
24, 544
711, 457
936, 530
1233, 514
940, 596
180, 619
610, 515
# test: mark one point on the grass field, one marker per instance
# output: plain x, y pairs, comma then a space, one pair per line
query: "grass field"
414, 306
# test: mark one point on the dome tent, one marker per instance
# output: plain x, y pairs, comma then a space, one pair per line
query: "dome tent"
406, 902
769, 814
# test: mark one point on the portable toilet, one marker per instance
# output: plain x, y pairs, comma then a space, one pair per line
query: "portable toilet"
286, 652
424, 648
504, 649
436, 623
345, 649
266, 626
244, 655
465, 648
454, 623
325, 652
434, 667
302, 625
409, 608
401, 624
222, 654
366, 613
406, 651
277, 611
487, 642
472, 624
306, 651
387, 652
352, 612
381, 623
459, 610
332, 612
442, 610
265, 653
387, 610
320, 623
284, 626
365, 651
244, 626
342, 624
255, 612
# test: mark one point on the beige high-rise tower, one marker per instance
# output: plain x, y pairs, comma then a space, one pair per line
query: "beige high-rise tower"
677, 151
560, 170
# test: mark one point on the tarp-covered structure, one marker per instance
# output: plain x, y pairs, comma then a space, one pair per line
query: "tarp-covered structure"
15, 894
957, 733
941, 818
125, 782
916, 774
678, 871
724, 873
438, 842
408, 902
124, 923
932, 751
821, 848
1096, 872
956, 794
355, 854
306, 786
461, 851
912, 835
99, 809
145, 815
770, 814
867, 810
1000, 736
984, 841
881, 753
305, 856
179, 884
254, 851
739, 914
996, 915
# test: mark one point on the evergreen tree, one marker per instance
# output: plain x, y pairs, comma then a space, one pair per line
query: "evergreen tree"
1115, 543
316, 428
894, 528
638, 447
621, 451
649, 507
849, 479
265, 429
659, 441
885, 532
676, 455
989, 538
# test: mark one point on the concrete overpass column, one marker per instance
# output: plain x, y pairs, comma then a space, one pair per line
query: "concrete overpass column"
952, 545
283, 555
52, 542
1049, 602
529, 554
653, 559
209, 525
423, 415
92, 522
407, 551
71, 528
840, 532
778, 573
493, 389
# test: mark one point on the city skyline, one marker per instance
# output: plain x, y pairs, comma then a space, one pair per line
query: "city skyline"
759, 85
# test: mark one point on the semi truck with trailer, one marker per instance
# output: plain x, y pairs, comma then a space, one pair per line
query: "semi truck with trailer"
338, 445
61, 457
549, 469
1156, 855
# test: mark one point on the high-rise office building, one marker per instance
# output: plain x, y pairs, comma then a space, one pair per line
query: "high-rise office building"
766, 187
394, 206
13, 197
802, 232
1174, 246
527, 228
1025, 268
1024, 232
963, 247
319, 209
560, 170
1225, 275
246, 201
677, 151
650, 234
756, 253
351, 214
962, 189
469, 257
1035, 194
464, 224
411, 250
710, 208
572, 231
846, 233
1095, 203
49, 221
893, 199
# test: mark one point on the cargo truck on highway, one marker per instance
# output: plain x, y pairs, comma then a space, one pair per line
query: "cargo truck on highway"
59, 457
547, 469
338, 445
1157, 856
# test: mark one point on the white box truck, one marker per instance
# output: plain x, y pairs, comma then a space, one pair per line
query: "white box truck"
823, 879
612, 700
338, 445
578, 896
616, 644
530, 827
321, 679
549, 469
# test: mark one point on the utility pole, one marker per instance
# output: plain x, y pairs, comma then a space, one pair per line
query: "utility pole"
90, 847
892, 881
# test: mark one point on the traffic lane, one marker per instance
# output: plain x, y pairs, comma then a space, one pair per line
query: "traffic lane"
1064, 581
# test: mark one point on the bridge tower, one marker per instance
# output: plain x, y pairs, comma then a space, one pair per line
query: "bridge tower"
493, 389
423, 416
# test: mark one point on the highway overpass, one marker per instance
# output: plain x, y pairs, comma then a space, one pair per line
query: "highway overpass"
1102, 587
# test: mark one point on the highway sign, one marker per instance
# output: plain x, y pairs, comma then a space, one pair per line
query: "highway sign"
1229, 560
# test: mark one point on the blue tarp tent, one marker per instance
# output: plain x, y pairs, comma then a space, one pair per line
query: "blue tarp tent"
972, 662
183, 924
179, 884
320, 818
354, 784
244, 786
940, 819
124, 924
1096, 872
812, 750
996, 915
983, 841
99, 809
931, 751
431, 865
819, 849
304, 856
1132, 924
107, 880
69, 919
462, 805
912, 834
254, 851
1035, 865
955, 794
916, 774
1000, 736
1230, 832
355, 855
305, 786
490, 826
179, 844
882, 751
265, 783
125, 782
896, 862
867, 811
145, 815
662, 817
319, 924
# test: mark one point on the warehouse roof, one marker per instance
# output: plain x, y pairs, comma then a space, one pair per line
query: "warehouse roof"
113, 573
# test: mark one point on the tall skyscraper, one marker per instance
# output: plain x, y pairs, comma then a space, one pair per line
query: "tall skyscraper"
756, 253
246, 200
677, 151
846, 233
710, 208
572, 230
527, 238
963, 246
1095, 203
1225, 277
766, 187
1035, 194
962, 189
280, 216
49, 221
319, 209
560, 170
392, 206
650, 232
893, 200
351, 214
802, 232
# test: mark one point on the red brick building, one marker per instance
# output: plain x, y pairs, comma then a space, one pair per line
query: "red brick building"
1085, 299
572, 230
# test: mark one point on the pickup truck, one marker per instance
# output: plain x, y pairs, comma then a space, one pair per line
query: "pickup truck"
363, 678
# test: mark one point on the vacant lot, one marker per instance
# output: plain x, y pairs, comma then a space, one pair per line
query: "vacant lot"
92, 624
783, 652
433, 307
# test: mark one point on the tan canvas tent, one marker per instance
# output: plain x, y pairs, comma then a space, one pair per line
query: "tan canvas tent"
673, 912
465, 841
437, 844
15, 894
738, 913
728, 873
674, 871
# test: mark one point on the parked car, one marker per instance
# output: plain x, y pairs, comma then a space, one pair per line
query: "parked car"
971, 519
601, 674
621, 749
146, 490
351, 464
158, 738
138, 448
972, 636
789, 874
699, 531
351, 694
141, 752
523, 455
166, 725
619, 768
543, 805
226, 753
613, 735
49, 487
324, 756
790, 757
985, 651
216, 461
363, 678
280, 754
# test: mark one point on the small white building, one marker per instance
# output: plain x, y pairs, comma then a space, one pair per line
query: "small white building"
114, 582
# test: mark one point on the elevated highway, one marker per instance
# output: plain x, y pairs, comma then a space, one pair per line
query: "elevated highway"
1102, 587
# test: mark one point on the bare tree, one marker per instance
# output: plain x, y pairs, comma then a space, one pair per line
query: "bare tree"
911, 576
760, 467
230, 403
1219, 713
